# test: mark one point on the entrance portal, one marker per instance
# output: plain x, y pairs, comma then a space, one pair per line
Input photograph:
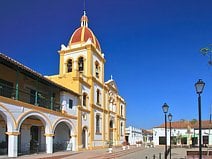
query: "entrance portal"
111, 131
34, 142
31, 138
84, 137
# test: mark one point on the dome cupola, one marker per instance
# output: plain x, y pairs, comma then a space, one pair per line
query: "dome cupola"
84, 34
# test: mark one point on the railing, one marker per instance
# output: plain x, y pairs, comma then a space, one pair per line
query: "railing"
37, 99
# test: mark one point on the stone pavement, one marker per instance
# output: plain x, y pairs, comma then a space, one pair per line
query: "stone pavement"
118, 153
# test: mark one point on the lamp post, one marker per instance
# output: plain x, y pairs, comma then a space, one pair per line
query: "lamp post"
199, 88
165, 108
170, 125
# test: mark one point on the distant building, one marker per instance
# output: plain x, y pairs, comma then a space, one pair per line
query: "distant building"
133, 135
147, 136
183, 133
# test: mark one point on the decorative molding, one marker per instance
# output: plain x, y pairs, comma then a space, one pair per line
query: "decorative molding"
13, 133
49, 135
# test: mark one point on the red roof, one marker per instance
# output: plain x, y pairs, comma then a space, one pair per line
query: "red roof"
185, 124
77, 35
83, 33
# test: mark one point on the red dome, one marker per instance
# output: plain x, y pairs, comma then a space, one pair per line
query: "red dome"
82, 34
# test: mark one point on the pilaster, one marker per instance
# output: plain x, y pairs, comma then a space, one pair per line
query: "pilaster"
49, 143
12, 144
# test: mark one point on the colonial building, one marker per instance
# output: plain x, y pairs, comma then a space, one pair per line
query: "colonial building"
147, 136
134, 135
73, 110
183, 133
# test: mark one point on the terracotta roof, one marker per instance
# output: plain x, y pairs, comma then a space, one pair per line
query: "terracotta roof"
186, 124
83, 33
147, 132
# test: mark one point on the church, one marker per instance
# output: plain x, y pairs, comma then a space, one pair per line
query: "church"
73, 110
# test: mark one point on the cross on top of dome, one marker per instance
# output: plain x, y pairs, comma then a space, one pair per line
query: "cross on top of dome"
84, 20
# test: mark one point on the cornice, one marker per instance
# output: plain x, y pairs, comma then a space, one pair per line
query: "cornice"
98, 107
84, 109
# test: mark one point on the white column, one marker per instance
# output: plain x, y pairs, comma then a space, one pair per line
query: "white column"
210, 137
73, 140
49, 143
13, 145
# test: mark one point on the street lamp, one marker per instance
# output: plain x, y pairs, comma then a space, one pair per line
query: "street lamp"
199, 88
165, 108
170, 125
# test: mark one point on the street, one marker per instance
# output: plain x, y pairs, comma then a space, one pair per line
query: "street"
118, 153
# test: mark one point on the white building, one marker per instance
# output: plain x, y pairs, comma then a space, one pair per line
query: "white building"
36, 114
183, 133
147, 136
133, 135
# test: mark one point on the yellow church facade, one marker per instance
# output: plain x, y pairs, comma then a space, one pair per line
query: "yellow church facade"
102, 111
73, 110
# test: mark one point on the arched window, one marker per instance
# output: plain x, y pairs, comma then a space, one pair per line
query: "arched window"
69, 65
80, 64
111, 123
98, 96
84, 99
121, 129
97, 69
97, 123
121, 110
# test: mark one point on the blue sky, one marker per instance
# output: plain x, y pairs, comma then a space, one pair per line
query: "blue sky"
151, 48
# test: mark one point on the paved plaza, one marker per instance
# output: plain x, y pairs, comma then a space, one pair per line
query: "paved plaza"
132, 153
118, 153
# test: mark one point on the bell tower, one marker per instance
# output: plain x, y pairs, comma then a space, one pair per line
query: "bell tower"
82, 56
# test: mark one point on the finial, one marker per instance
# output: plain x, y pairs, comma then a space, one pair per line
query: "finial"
84, 19
111, 77
84, 11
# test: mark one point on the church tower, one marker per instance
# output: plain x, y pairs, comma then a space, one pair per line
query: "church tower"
101, 111
82, 57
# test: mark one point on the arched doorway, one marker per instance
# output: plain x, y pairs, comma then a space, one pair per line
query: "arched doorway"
111, 131
3, 136
31, 138
84, 137
62, 140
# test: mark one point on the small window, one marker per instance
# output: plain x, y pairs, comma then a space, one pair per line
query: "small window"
111, 124
121, 110
98, 96
70, 103
121, 129
81, 64
84, 99
69, 66
97, 69
97, 123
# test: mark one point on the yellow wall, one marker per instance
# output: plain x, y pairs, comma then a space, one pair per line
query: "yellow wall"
75, 80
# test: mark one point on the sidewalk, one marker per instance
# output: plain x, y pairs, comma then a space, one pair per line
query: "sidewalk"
138, 153
68, 154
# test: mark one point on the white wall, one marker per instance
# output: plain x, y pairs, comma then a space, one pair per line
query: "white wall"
64, 100
135, 134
